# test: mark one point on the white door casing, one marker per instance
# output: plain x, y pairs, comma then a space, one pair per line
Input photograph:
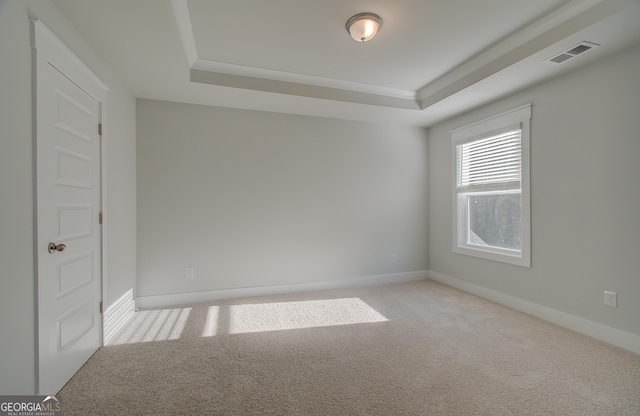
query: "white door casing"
68, 183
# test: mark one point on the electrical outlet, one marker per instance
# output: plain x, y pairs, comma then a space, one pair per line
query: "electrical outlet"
188, 272
611, 299
394, 257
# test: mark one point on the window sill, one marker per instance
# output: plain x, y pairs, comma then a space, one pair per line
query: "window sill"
515, 258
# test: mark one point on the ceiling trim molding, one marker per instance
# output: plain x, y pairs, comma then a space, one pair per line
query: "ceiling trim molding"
300, 89
547, 30
552, 28
183, 20
248, 71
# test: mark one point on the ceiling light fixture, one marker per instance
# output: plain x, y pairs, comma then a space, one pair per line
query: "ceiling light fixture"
364, 26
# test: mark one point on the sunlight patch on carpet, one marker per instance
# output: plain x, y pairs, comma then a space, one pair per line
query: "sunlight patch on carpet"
154, 325
279, 316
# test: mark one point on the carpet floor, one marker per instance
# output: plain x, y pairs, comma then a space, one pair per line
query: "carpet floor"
418, 348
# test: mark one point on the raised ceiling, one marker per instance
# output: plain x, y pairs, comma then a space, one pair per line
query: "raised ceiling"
430, 60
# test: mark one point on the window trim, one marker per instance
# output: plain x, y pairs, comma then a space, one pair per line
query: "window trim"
518, 116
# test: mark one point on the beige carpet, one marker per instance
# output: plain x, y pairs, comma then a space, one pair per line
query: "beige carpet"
409, 349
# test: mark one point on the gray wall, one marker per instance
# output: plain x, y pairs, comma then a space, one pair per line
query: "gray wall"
18, 348
253, 199
585, 196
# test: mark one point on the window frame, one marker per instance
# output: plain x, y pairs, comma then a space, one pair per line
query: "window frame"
520, 116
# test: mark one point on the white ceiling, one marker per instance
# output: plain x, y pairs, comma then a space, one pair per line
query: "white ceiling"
430, 60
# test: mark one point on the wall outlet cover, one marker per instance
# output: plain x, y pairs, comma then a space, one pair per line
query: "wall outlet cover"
188, 272
611, 299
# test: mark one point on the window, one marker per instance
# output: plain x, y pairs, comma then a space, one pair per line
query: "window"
491, 188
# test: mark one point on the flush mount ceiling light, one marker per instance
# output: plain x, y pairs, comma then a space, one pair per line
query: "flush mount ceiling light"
364, 26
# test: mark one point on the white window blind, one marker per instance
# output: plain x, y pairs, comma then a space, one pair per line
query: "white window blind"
492, 162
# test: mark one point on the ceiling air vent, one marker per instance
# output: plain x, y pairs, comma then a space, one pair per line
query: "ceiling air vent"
572, 52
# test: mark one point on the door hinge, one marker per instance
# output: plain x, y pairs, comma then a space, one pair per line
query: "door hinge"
101, 310
100, 218
100, 129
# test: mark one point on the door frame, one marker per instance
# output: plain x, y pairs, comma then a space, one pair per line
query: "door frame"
47, 48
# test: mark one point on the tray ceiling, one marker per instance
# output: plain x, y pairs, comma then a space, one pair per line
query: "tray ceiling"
429, 60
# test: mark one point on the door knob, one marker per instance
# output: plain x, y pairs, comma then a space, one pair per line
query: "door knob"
56, 247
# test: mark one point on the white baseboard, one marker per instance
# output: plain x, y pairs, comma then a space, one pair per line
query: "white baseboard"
159, 301
117, 314
592, 329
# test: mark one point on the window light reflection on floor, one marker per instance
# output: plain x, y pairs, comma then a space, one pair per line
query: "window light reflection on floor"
154, 325
261, 317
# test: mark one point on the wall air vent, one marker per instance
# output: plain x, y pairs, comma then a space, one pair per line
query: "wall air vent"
582, 47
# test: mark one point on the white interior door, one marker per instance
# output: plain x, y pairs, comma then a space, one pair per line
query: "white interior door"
68, 156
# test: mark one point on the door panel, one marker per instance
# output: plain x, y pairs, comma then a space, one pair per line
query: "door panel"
75, 221
74, 324
74, 169
69, 199
74, 273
